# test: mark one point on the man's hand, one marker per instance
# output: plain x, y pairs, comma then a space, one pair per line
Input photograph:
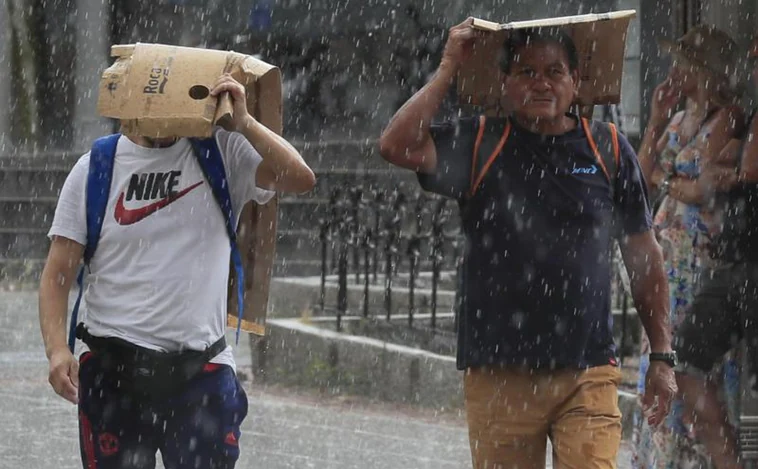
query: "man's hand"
64, 374
660, 389
459, 44
242, 117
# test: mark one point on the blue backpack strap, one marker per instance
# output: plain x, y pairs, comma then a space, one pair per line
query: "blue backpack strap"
210, 160
101, 159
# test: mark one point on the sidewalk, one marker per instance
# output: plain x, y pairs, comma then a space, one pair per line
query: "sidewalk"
284, 429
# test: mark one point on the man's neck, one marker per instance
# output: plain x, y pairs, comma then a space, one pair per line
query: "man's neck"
148, 142
557, 126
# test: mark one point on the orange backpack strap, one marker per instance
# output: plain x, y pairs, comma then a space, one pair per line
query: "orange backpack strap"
487, 143
604, 141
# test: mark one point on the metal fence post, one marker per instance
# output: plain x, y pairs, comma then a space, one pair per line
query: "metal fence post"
413, 252
356, 197
438, 240
414, 245
379, 200
342, 285
367, 245
334, 215
392, 230
324, 239
388, 246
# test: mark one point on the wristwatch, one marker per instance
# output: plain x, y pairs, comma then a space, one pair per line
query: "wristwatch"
669, 358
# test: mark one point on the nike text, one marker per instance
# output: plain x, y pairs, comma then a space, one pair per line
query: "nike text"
148, 186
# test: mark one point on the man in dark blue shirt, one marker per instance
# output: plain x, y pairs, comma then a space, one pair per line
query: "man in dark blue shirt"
540, 208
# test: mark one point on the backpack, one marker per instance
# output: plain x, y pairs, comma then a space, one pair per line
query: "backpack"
602, 138
102, 158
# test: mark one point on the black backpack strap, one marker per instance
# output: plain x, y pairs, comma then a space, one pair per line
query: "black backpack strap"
490, 139
604, 141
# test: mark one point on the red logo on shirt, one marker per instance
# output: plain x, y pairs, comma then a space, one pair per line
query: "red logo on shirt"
231, 440
149, 186
108, 444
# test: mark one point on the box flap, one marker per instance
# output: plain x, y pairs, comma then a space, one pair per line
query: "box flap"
164, 90
600, 39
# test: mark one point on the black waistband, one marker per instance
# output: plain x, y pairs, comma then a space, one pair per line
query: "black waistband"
127, 349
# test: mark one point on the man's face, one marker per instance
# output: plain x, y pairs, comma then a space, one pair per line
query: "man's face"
161, 142
540, 84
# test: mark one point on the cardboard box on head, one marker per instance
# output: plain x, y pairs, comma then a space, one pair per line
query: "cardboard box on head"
161, 90
600, 39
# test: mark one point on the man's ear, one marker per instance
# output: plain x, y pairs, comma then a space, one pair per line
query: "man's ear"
575, 77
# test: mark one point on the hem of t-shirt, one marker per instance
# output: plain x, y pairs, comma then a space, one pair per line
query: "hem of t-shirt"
423, 179
68, 234
636, 231
221, 359
465, 364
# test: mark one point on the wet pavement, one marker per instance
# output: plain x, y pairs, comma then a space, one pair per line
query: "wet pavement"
284, 428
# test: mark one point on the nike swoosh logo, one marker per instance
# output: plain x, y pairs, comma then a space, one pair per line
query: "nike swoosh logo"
125, 216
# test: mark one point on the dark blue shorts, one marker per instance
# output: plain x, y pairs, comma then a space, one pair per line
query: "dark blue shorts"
199, 429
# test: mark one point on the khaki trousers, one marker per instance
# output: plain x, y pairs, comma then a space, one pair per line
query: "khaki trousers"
511, 413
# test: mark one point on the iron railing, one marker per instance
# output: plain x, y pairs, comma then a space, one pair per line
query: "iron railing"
370, 236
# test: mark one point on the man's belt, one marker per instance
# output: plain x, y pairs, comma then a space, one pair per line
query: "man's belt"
145, 371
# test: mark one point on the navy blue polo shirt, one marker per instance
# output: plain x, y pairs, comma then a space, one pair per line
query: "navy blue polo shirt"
536, 280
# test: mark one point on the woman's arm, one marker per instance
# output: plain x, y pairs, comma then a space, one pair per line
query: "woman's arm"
709, 143
665, 97
652, 143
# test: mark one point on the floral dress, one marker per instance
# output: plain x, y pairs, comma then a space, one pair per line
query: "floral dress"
684, 232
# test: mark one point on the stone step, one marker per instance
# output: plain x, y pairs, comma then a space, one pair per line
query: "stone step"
31, 182
31, 213
20, 244
45, 183
33, 243
327, 180
28, 213
29, 187
298, 252
25, 273
343, 154
360, 154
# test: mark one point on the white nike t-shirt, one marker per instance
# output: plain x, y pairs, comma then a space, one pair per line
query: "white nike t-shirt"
159, 276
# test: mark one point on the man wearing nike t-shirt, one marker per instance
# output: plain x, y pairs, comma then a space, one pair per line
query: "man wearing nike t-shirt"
158, 281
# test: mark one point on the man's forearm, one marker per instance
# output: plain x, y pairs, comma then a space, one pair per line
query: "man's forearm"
650, 293
53, 311
290, 170
412, 121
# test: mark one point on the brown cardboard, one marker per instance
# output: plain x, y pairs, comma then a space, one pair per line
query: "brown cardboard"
159, 90
600, 39
167, 109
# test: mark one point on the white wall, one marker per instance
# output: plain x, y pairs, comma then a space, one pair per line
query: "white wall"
92, 51
739, 19
5, 78
630, 81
